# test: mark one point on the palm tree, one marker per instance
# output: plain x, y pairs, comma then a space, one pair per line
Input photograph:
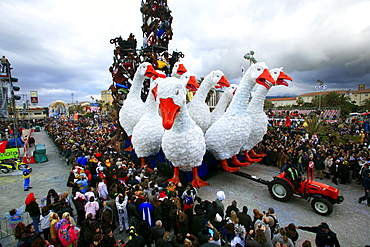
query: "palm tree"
314, 125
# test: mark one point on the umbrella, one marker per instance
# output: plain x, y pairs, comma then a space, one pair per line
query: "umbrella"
365, 113
30, 198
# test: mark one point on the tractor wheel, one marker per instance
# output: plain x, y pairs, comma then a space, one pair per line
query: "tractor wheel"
280, 190
322, 206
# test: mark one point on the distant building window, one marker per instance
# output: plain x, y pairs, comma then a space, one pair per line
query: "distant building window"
355, 95
366, 95
37, 113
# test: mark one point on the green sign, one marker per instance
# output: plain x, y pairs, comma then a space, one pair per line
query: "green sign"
9, 154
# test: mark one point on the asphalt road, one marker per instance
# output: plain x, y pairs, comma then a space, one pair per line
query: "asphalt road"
349, 219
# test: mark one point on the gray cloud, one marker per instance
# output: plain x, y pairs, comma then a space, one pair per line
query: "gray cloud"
59, 48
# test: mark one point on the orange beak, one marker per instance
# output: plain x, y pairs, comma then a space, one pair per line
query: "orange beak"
281, 79
169, 111
223, 82
265, 76
192, 84
150, 72
181, 69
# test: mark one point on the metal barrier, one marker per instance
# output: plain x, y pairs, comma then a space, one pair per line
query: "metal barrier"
5, 230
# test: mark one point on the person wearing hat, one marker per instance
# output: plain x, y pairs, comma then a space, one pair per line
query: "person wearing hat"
324, 236
366, 184
32, 207
134, 239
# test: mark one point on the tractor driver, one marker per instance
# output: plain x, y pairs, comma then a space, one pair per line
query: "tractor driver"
292, 173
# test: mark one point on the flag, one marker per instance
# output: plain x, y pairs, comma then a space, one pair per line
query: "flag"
3, 146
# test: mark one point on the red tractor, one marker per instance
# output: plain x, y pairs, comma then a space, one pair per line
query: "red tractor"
323, 195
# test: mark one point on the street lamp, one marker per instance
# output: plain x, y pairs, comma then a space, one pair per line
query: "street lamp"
249, 56
321, 87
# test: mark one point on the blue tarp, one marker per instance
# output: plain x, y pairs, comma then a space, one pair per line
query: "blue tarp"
13, 142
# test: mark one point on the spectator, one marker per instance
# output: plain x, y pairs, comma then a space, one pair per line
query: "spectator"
45, 221
231, 207
108, 239
324, 236
366, 184
245, 219
32, 207
282, 238
291, 232
15, 216
157, 231
91, 207
121, 204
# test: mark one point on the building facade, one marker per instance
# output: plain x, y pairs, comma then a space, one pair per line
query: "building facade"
357, 97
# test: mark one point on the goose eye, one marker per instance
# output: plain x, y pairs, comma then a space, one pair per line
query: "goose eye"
177, 92
258, 69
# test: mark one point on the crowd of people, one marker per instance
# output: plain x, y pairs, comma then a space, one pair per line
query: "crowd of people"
110, 193
341, 162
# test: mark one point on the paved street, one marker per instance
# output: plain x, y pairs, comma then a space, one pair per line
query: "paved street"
349, 219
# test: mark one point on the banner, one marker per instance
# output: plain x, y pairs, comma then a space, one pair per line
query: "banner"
9, 154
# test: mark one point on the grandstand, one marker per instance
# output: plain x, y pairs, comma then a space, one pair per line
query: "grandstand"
325, 113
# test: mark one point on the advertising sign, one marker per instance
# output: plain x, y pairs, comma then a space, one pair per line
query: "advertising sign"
9, 154
34, 97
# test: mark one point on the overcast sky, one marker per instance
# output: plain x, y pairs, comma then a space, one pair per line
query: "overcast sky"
61, 47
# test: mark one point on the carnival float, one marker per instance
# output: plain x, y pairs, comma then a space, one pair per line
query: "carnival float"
163, 119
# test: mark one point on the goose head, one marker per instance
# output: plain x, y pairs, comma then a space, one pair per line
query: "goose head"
190, 81
260, 74
280, 76
178, 69
230, 91
217, 79
146, 70
172, 97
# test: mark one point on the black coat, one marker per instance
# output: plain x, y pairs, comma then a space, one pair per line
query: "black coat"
199, 221
245, 220
33, 209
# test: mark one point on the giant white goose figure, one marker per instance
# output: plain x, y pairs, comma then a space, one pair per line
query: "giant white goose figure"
178, 69
197, 107
183, 141
223, 103
228, 134
257, 118
133, 107
148, 132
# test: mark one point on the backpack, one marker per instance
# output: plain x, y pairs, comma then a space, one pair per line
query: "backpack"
276, 227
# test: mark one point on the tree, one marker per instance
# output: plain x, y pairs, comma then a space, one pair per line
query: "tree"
267, 104
77, 109
365, 105
314, 125
299, 101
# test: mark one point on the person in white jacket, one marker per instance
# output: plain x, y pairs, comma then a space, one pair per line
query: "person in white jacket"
91, 207
103, 190
121, 203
